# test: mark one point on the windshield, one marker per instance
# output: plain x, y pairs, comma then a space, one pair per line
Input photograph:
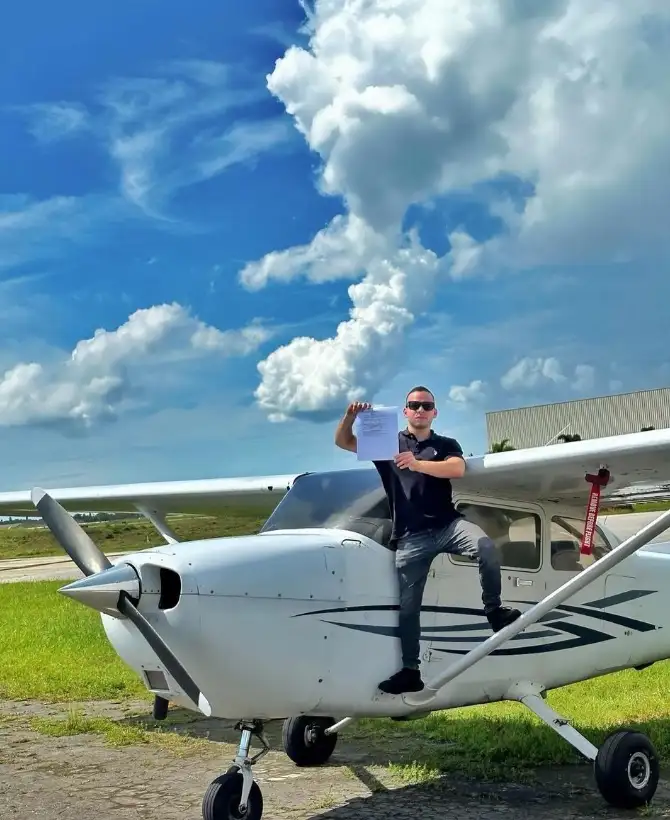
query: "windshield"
347, 499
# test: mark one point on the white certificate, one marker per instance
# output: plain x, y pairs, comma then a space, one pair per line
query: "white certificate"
377, 434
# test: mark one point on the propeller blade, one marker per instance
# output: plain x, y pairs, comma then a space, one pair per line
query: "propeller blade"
83, 551
91, 561
127, 608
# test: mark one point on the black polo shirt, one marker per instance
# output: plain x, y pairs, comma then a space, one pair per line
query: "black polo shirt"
419, 501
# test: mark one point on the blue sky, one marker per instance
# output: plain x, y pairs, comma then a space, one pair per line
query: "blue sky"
218, 225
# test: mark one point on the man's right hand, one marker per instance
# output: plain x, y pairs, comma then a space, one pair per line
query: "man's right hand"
344, 436
355, 408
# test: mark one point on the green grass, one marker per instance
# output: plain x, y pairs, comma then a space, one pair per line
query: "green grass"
116, 733
131, 534
496, 740
54, 650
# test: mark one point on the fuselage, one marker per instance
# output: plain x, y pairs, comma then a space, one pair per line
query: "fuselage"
304, 621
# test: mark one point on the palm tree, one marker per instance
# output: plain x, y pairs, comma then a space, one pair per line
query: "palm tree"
501, 446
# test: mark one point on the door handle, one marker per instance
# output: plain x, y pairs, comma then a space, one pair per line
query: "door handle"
523, 582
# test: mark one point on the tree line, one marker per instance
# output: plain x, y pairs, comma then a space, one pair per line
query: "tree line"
504, 445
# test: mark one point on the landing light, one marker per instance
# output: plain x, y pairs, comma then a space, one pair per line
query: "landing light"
156, 680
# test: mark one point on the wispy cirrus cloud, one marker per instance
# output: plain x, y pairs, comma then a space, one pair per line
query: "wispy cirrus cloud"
182, 125
56, 120
32, 230
188, 122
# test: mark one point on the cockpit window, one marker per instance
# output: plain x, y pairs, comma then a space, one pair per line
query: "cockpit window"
566, 538
348, 499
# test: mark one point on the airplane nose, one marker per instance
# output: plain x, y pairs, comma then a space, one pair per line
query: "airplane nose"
102, 590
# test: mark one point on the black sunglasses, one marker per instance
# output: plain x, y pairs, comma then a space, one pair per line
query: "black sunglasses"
415, 405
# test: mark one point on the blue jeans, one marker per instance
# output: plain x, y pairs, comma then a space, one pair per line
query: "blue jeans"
414, 557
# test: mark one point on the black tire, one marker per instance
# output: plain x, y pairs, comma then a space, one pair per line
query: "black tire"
627, 769
305, 742
160, 709
222, 799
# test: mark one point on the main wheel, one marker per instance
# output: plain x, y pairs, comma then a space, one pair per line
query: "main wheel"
223, 795
305, 741
627, 769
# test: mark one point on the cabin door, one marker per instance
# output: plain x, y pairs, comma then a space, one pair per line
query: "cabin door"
452, 618
517, 535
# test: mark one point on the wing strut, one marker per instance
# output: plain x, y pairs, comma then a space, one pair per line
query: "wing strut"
159, 522
531, 616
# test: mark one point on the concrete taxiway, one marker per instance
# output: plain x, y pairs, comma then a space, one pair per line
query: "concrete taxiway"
43, 569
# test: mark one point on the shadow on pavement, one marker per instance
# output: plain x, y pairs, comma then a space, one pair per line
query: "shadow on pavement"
561, 792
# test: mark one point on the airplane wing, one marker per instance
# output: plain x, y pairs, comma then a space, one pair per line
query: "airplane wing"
639, 465
209, 496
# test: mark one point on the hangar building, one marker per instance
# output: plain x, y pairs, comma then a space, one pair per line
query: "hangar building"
542, 424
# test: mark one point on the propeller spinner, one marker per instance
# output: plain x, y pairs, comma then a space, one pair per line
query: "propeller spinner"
109, 588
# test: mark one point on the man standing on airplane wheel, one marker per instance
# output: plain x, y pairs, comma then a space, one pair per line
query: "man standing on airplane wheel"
426, 523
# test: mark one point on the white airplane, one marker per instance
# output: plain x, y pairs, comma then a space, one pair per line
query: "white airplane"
298, 623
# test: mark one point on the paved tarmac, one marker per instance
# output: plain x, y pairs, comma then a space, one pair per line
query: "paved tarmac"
80, 776
43, 569
624, 525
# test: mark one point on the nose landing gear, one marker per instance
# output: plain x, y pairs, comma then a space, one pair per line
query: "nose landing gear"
235, 794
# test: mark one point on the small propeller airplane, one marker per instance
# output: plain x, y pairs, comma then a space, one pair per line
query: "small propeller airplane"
297, 623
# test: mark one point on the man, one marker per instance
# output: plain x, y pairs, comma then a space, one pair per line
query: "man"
425, 523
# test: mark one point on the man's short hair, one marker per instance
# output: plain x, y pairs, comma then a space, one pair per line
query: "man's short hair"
419, 389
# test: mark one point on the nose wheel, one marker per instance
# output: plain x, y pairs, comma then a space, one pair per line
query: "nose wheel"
235, 795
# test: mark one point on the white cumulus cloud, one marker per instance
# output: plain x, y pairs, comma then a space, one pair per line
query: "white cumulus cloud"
341, 250
584, 377
312, 378
530, 372
99, 377
466, 394
407, 101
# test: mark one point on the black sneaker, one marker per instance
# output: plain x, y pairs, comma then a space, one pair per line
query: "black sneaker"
407, 680
502, 617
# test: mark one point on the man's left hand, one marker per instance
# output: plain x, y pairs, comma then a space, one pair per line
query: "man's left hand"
406, 461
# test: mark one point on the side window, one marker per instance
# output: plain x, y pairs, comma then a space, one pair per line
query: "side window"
566, 539
516, 534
